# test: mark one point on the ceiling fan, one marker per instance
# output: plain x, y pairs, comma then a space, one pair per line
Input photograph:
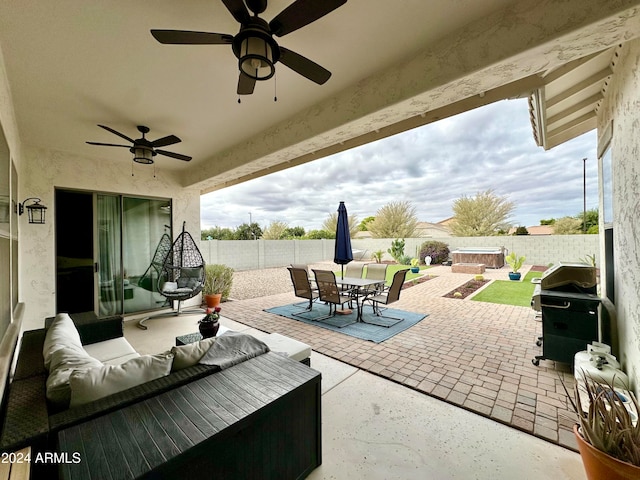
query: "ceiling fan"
144, 150
254, 45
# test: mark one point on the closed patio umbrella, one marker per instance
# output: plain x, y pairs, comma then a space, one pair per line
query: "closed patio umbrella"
343, 253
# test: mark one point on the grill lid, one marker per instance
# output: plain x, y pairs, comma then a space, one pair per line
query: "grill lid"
562, 275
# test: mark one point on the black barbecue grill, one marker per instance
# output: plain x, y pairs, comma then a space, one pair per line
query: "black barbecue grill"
567, 299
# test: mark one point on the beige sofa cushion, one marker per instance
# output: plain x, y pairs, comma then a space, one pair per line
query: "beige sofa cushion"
189, 355
61, 333
114, 351
90, 385
65, 360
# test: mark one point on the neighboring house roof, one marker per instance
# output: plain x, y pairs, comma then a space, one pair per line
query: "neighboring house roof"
423, 229
427, 229
446, 222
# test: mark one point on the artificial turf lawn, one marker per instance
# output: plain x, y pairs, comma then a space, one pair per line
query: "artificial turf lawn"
509, 292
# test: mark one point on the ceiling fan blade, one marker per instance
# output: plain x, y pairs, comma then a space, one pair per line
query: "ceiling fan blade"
246, 84
174, 155
301, 13
109, 144
304, 66
164, 141
184, 37
121, 135
238, 10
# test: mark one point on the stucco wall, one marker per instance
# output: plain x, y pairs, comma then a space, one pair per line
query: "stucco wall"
622, 105
43, 171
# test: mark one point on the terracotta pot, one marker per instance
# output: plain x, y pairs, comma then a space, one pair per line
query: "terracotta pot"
213, 300
600, 466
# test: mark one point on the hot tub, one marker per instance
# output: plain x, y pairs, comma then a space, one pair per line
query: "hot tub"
491, 257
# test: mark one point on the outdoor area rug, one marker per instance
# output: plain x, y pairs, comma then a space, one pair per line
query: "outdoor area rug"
347, 323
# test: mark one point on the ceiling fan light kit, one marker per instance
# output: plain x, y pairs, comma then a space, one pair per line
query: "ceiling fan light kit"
142, 155
256, 50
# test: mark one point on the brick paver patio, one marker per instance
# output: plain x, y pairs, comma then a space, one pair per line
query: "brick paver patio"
471, 354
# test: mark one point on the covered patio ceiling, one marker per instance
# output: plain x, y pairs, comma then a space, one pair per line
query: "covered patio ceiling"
395, 65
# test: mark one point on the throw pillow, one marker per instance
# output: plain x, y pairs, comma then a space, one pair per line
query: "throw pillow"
189, 277
188, 355
169, 287
61, 333
90, 385
64, 361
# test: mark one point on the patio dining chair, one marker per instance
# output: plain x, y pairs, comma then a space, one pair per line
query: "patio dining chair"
376, 271
302, 286
389, 296
330, 293
354, 270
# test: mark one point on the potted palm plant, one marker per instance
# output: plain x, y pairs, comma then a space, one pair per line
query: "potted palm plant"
515, 262
415, 265
217, 284
607, 432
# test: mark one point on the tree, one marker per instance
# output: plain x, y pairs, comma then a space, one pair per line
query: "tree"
394, 220
216, 233
567, 226
482, 215
331, 222
275, 231
294, 232
363, 227
549, 221
521, 231
590, 219
318, 234
248, 232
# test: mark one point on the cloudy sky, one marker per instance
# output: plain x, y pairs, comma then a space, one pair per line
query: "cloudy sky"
488, 148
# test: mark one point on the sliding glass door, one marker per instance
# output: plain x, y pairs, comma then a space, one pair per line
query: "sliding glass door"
144, 223
126, 232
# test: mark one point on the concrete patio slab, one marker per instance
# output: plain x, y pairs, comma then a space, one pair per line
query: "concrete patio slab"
376, 429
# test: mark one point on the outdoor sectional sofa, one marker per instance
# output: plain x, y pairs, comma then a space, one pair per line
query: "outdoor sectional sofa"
256, 419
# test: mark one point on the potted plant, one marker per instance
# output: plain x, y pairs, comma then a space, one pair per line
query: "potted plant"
608, 439
415, 265
515, 262
210, 324
217, 284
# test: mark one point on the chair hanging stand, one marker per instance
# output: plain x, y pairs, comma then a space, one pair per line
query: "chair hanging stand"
180, 275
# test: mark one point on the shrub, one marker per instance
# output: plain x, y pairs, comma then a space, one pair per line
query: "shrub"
377, 256
397, 249
218, 279
438, 251
404, 260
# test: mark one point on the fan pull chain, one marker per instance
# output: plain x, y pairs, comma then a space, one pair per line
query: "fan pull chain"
132, 168
239, 100
275, 87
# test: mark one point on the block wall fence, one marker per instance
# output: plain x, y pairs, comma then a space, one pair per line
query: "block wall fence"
258, 254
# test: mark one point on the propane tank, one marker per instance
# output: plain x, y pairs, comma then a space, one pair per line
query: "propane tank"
597, 363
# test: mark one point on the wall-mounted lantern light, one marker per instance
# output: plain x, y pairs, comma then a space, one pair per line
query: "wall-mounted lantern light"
35, 210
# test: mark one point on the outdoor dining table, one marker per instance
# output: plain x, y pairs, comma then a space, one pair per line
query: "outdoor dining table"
359, 290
